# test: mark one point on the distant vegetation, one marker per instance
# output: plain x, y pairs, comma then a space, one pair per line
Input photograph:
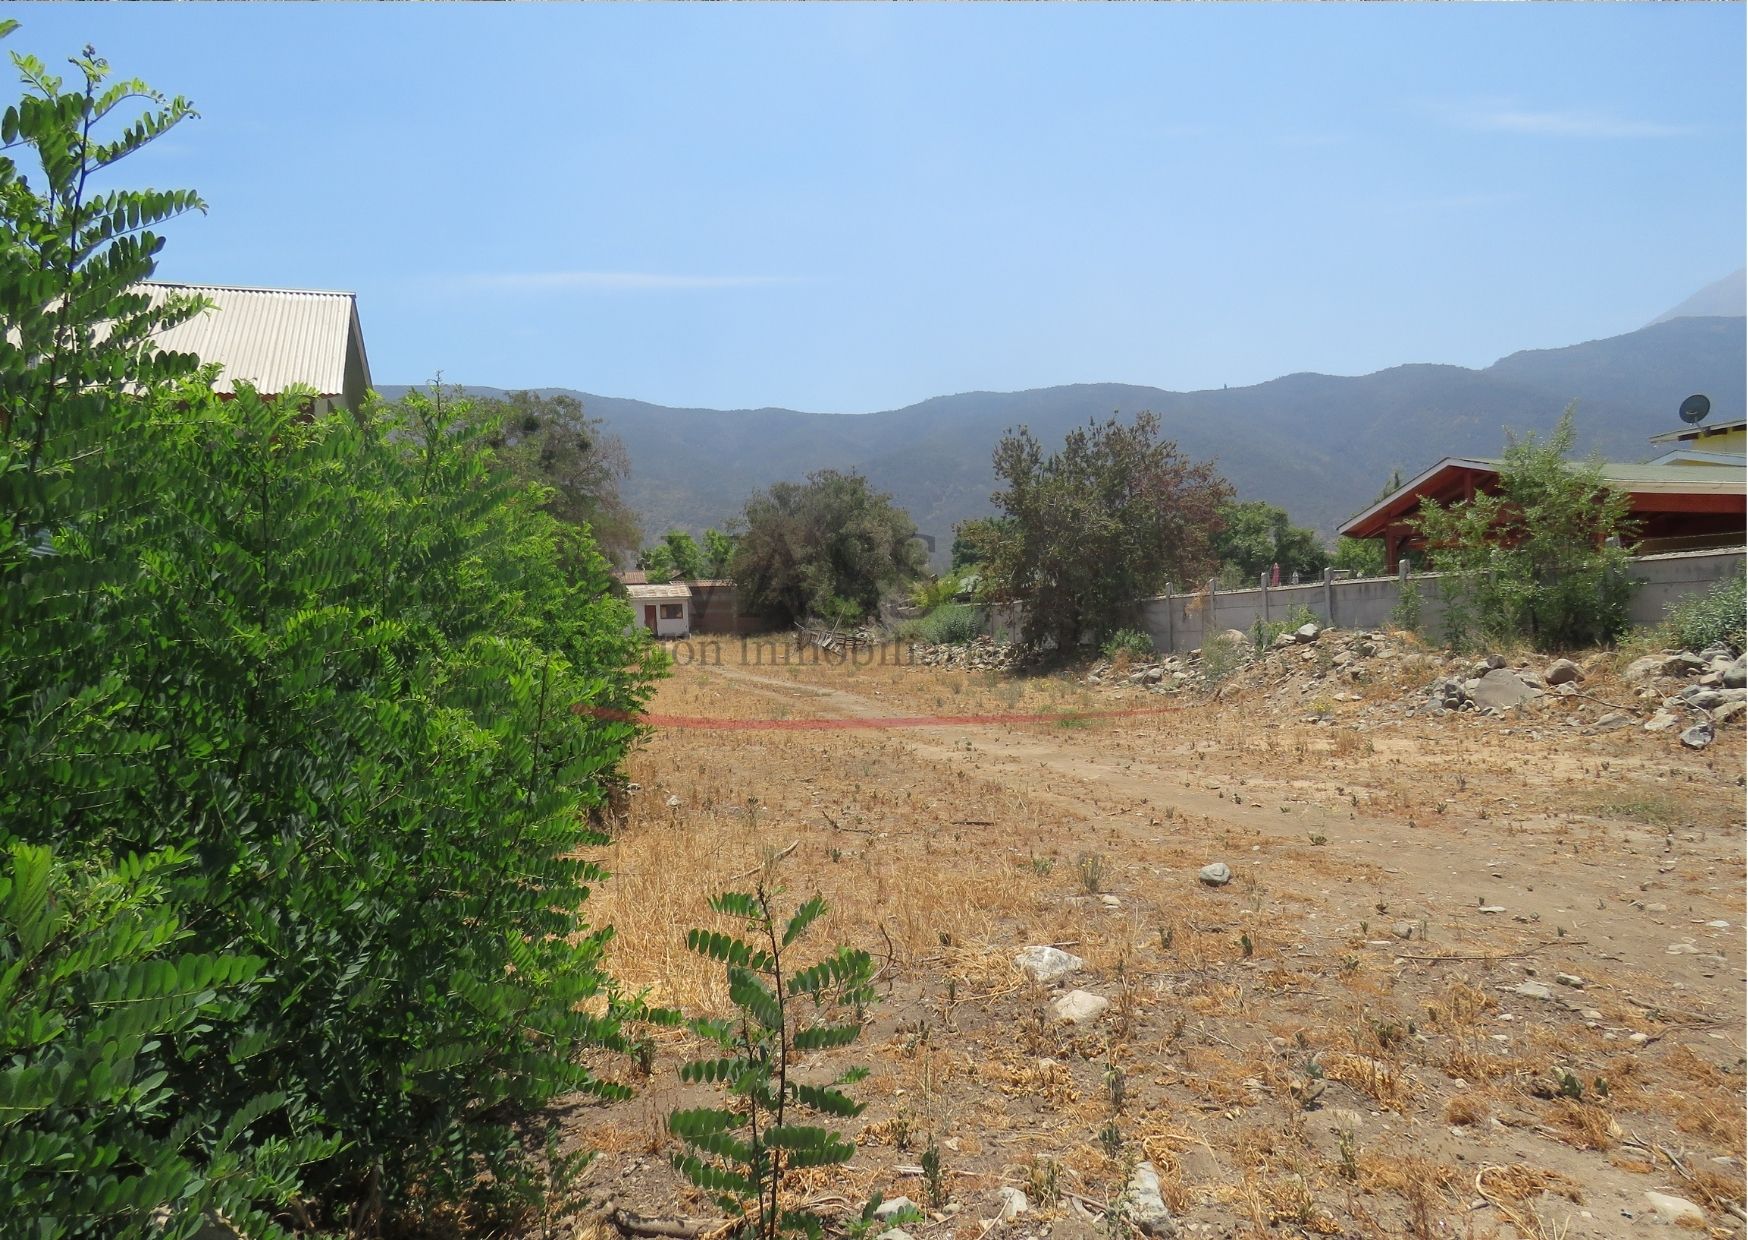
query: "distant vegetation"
1315, 445
678, 557
1717, 616
832, 547
1257, 537
1540, 560
549, 441
1103, 521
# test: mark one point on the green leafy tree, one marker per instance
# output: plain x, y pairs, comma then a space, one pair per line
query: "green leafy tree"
1540, 559
1099, 525
550, 441
975, 540
675, 558
1256, 536
718, 554
832, 547
743, 1154
347, 666
1362, 557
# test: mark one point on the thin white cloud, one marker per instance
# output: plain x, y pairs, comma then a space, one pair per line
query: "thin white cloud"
619, 281
1562, 123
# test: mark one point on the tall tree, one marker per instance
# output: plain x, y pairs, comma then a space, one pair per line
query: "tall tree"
1098, 525
550, 440
831, 547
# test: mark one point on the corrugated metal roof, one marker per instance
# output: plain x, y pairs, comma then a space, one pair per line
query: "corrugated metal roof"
659, 594
1697, 432
270, 337
1679, 479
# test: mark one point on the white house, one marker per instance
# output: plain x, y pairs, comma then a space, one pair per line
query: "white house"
665, 611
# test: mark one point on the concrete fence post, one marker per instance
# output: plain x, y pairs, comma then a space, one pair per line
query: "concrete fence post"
1170, 641
1262, 581
1213, 607
1329, 597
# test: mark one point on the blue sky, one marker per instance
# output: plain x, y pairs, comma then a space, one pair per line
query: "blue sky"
847, 208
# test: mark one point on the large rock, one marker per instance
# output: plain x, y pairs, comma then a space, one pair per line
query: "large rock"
1562, 671
1736, 675
1699, 736
1306, 633
1499, 689
1144, 1206
1675, 1210
1079, 1007
1448, 694
1216, 874
1662, 721
1711, 699
892, 1207
1013, 1202
1047, 964
1729, 711
1653, 665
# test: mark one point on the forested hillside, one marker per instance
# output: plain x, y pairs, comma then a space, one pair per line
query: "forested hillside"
1319, 445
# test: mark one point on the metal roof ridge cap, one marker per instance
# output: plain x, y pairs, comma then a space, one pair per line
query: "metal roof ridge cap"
252, 288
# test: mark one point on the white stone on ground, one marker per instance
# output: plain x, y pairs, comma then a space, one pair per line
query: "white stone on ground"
1044, 964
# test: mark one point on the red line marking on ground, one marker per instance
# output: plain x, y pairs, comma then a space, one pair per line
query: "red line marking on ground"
705, 723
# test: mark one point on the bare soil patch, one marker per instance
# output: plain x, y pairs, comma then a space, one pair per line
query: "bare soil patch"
1470, 977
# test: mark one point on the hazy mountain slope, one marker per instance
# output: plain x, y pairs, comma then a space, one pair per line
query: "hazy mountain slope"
1725, 298
1319, 445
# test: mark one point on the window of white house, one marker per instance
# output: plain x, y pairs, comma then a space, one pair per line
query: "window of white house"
672, 611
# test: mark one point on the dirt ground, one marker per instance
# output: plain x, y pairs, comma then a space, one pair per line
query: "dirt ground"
1468, 979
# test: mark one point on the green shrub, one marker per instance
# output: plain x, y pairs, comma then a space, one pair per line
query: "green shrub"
1539, 561
1405, 615
742, 1154
1702, 620
933, 592
346, 666
1264, 632
840, 612
951, 625
101, 1020
1134, 643
1222, 656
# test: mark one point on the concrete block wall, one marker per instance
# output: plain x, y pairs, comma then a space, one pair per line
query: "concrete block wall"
1181, 622
1672, 577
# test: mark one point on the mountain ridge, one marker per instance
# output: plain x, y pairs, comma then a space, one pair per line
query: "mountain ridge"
1318, 445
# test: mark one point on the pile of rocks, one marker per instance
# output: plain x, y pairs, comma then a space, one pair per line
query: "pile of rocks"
1310, 671
982, 653
1230, 660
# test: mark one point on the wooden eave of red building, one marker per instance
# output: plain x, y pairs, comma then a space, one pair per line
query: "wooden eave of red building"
1700, 499
1453, 479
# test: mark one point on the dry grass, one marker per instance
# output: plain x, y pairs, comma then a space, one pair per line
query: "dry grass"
942, 850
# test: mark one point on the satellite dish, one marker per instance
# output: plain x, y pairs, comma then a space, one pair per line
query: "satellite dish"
1694, 409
